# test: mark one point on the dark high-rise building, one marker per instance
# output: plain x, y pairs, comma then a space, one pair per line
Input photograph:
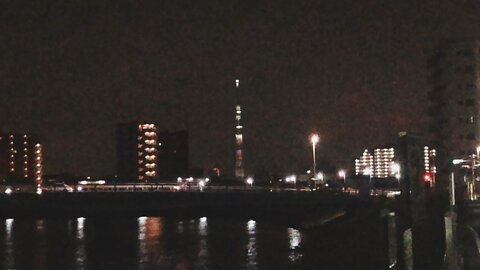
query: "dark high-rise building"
173, 154
21, 159
454, 100
137, 152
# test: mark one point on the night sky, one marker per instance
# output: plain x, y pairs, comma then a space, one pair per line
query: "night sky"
354, 71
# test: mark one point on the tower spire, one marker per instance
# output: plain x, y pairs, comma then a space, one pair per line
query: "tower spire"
239, 170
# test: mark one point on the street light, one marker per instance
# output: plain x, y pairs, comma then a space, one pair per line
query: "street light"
314, 139
342, 174
471, 163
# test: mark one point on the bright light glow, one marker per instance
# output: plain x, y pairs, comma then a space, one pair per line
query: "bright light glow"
294, 237
314, 139
249, 180
291, 178
457, 161
8, 191
83, 182
251, 224
309, 171
396, 170
8, 225
207, 179
190, 179
201, 183
79, 188
342, 173
320, 176
80, 225
39, 191
367, 171
179, 179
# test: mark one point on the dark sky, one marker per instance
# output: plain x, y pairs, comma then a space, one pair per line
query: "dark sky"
352, 70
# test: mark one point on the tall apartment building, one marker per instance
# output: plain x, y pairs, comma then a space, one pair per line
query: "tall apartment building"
454, 98
364, 164
137, 152
21, 159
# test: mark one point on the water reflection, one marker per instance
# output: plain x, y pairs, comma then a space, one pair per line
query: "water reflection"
9, 261
202, 256
147, 243
80, 225
251, 245
8, 227
295, 239
80, 244
149, 233
142, 249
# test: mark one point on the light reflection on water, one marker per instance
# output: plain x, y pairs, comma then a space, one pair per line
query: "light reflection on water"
157, 243
295, 239
80, 244
251, 246
8, 262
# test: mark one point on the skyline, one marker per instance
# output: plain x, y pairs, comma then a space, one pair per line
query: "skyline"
71, 72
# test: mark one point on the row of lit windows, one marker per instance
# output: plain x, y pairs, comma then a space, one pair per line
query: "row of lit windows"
146, 126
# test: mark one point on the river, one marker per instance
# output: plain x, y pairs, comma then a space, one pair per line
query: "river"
162, 243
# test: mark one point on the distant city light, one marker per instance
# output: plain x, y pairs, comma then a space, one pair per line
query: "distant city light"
291, 178
457, 161
179, 179
314, 138
320, 176
249, 180
8, 191
79, 188
342, 173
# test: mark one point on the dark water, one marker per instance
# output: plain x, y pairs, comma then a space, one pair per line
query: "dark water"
148, 243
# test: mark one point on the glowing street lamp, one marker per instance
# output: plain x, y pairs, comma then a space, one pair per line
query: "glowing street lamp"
342, 174
320, 176
249, 181
314, 139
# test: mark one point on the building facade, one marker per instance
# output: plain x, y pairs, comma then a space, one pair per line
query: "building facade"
137, 152
454, 99
21, 159
383, 162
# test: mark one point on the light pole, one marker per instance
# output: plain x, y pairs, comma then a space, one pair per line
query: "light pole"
470, 164
314, 139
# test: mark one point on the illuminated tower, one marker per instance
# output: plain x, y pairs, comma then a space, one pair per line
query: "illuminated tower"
239, 170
